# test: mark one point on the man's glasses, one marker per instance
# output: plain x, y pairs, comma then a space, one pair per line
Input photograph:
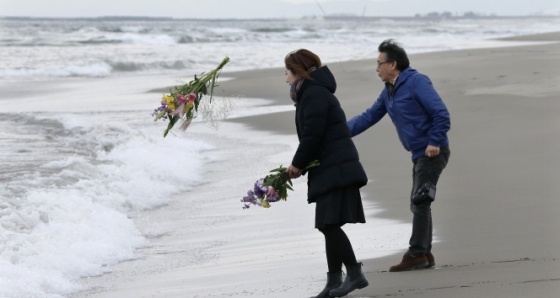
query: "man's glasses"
379, 63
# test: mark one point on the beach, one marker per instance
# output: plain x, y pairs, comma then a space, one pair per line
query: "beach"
496, 210
96, 203
495, 220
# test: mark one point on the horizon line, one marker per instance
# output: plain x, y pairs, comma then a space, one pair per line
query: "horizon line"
331, 16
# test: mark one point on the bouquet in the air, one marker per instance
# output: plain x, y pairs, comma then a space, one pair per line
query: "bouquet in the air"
272, 188
182, 101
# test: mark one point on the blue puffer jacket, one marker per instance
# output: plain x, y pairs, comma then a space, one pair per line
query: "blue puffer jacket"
418, 112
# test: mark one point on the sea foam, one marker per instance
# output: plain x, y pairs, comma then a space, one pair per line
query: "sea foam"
73, 219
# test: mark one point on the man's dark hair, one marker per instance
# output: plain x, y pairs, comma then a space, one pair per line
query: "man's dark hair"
394, 52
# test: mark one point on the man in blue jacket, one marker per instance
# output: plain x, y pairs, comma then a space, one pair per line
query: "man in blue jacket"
422, 121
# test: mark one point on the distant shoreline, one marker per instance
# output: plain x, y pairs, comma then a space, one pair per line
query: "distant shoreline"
435, 17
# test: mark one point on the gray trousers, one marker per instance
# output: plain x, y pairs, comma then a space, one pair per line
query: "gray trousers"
425, 169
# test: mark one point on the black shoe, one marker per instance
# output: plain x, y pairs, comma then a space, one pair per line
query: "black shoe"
334, 280
354, 280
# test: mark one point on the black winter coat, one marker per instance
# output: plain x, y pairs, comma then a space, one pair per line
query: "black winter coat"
324, 135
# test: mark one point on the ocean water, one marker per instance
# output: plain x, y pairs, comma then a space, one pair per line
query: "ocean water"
88, 48
87, 181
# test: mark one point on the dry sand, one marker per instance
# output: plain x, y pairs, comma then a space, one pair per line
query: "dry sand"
496, 214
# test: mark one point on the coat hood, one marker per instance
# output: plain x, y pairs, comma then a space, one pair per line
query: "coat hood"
321, 77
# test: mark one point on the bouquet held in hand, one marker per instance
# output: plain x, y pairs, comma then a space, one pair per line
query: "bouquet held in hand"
272, 188
182, 101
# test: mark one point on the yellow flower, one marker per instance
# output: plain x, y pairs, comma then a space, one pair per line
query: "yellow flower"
168, 98
169, 101
265, 203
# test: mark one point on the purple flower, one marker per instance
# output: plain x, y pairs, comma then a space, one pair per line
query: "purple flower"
259, 189
249, 199
274, 198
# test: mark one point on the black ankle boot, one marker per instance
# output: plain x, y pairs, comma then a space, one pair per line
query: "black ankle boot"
355, 279
334, 280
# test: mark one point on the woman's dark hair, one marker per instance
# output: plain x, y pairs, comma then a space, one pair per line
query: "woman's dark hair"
299, 62
394, 52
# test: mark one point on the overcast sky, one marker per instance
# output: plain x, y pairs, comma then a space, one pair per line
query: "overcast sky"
268, 8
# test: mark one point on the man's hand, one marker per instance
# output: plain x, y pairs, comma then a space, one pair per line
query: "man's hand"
432, 151
293, 172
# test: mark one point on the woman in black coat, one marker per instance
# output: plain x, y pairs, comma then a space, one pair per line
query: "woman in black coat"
333, 185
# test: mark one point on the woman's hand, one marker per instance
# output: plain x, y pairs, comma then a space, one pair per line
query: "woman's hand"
293, 172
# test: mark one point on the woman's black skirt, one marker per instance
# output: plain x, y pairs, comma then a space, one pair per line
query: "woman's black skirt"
339, 206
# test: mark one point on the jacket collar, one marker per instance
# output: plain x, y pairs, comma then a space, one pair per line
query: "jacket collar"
404, 75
